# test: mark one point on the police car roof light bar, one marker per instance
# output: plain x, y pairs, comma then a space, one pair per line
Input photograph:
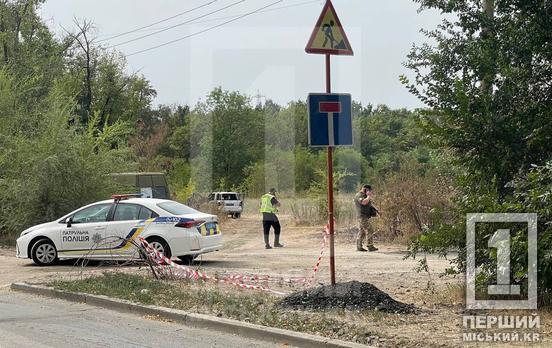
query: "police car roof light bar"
126, 196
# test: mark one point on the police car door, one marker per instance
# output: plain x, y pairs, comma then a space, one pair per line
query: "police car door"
84, 229
124, 229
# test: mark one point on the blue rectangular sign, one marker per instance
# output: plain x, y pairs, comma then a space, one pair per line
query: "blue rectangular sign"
330, 119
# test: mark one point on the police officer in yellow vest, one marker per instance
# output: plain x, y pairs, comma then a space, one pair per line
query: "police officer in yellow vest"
269, 208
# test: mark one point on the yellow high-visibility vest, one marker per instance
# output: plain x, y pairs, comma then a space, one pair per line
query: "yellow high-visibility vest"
266, 204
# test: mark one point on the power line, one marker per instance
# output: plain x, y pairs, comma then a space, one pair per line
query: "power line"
216, 19
158, 22
205, 30
177, 25
268, 10
292, 5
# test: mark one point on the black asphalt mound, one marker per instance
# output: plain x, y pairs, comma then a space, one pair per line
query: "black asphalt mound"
351, 295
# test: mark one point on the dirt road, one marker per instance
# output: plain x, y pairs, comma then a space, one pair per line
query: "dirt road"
441, 298
244, 252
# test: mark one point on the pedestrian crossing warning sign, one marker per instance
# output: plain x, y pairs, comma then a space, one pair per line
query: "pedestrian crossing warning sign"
328, 36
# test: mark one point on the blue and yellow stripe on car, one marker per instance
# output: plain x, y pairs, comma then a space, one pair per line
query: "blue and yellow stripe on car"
209, 229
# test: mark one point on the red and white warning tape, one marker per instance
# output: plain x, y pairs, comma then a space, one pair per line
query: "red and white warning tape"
322, 248
190, 273
239, 280
306, 282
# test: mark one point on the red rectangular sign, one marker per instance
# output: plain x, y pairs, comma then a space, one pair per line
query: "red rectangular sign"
330, 107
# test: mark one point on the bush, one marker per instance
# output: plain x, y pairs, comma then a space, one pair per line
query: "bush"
412, 201
531, 193
50, 167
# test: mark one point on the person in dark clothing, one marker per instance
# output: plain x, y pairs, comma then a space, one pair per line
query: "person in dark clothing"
365, 210
269, 208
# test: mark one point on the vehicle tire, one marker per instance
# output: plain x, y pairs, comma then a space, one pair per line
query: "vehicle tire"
238, 215
187, 259
160, 245
44, 253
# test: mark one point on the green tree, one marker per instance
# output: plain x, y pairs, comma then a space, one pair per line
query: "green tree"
306, 166
104, 87
49, 168
348, 160
50, 161
486, 81
230, 135
29, 51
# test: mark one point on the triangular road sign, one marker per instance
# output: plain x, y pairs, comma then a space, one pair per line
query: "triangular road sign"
328, 36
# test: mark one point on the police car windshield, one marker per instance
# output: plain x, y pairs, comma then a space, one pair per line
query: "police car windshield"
176, 208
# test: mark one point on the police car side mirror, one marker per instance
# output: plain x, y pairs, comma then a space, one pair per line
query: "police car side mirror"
69, 222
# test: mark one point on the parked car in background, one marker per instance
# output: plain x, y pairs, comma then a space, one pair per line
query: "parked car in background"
229, 202
107, 230
150, 185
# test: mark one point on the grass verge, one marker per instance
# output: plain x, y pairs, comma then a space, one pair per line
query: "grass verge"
252, 307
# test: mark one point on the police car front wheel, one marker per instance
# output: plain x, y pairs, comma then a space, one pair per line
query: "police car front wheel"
44, 253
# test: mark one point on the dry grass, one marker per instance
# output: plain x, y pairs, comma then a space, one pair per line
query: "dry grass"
308, 211
445, 295
409, 204
253, 307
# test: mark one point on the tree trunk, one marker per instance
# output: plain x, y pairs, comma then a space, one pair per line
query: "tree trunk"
88, 98
3, 30
85, 46
18, 20
488, 9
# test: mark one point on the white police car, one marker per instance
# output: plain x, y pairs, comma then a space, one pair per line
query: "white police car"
107, 229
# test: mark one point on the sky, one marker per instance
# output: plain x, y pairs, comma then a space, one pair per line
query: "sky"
262, 54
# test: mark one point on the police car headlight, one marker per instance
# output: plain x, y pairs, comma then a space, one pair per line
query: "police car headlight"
25, 232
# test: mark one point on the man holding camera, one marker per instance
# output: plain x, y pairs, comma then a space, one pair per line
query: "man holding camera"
365, 210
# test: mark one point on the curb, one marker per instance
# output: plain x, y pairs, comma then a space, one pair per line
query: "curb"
264, 333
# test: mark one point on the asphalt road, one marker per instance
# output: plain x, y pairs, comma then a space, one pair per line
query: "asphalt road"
33, 321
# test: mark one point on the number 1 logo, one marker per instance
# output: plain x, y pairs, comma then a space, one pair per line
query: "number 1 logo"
501, 241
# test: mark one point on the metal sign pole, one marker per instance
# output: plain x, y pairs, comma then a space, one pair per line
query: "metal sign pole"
330, 181
328, 29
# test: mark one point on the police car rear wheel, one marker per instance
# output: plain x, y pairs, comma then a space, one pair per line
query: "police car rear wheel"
44, 253
161, 246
